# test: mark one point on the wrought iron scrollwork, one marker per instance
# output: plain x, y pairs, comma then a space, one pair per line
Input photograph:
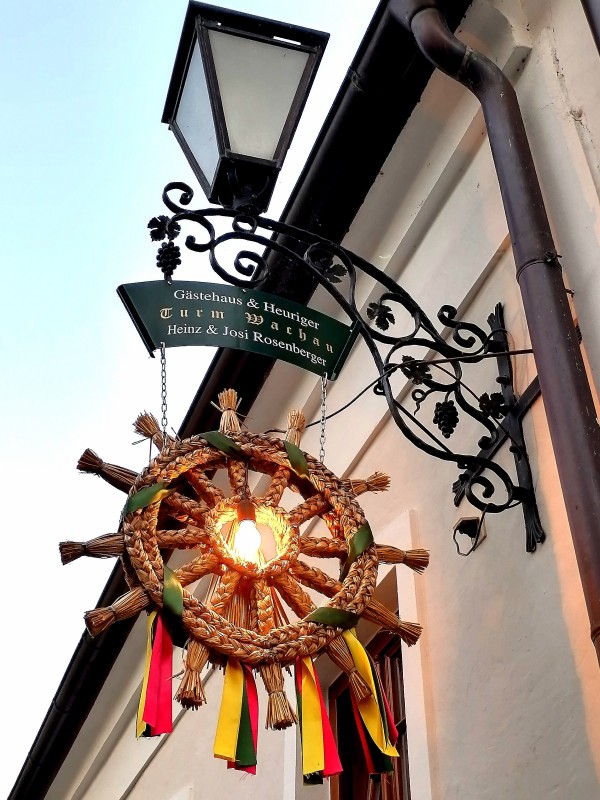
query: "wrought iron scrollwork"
390, 324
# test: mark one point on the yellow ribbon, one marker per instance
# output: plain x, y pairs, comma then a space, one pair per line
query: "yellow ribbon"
313, 753
230, 713
369, 708
140, 725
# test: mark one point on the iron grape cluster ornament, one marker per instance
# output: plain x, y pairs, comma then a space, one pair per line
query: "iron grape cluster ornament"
243, 621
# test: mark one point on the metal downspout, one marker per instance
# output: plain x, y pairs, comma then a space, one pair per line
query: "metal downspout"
592, 12
568, 400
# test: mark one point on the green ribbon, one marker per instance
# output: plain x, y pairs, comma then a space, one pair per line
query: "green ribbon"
173, 607
362, 539
224, 444
147, 495
245, 754
380, 701
337, 617
172, 593
297, 459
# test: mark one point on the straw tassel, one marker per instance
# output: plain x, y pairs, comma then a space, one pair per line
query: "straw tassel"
146, 425
119, 477
337, 650
409, 632
296, 423
417, 560
374, 611
280, 714
126, 606
341, 656
190, 693
107, 546
228, 405
377, 482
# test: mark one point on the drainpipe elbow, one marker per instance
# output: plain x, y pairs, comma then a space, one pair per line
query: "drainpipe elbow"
446, 52
437, 43
405, 10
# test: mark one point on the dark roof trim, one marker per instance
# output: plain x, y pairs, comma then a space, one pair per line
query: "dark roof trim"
378, 95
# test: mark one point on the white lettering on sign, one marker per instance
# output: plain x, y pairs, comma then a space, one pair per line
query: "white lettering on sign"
281, 312
187, 294
289, 346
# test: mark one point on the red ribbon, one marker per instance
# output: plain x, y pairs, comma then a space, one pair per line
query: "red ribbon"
333, 765
158, 709
392, 730
363, 736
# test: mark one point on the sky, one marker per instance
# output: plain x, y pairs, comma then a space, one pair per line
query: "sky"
83, 161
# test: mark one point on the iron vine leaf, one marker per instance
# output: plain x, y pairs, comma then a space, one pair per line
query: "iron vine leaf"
415, 371
159, 230
493, 405
460, 483
381, 315
330, 270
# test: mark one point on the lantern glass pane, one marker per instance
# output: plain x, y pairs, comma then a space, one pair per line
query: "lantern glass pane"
195, 119
257, 84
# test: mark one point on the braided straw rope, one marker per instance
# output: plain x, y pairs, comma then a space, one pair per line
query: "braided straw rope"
190, 693
280, 643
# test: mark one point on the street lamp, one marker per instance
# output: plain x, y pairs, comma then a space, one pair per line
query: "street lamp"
238, 88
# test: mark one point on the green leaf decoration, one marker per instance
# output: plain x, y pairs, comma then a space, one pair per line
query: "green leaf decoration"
337, 617
224, 444
362, 539
147, 495
172, 592
297, 459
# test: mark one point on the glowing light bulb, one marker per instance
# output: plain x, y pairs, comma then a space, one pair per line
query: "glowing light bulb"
246, 542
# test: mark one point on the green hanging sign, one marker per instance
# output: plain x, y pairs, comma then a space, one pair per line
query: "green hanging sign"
220, 315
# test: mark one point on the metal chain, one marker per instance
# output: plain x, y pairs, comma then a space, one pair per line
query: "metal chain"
323, 417
163, 390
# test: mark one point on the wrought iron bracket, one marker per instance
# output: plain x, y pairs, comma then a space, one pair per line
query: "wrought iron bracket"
389, 325
512, 429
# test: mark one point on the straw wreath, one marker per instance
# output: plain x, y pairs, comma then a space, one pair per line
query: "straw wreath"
243, 614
